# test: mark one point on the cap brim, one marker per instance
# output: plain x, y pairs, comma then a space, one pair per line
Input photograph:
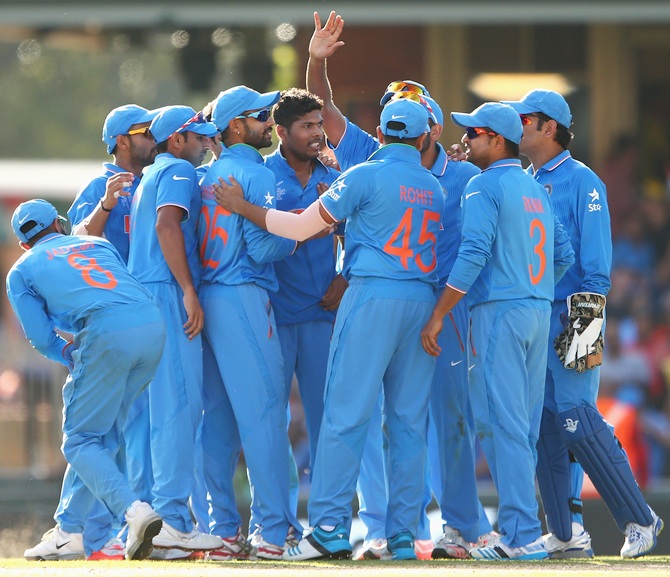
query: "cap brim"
465, 120
265, 100
204, 128
148, 116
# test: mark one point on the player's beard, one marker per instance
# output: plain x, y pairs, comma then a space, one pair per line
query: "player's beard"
142, 155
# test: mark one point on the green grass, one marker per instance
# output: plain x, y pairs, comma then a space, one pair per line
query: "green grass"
656, 566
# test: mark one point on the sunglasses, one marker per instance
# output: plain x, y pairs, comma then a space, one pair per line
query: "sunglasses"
415, 98
144, 130
407, 86
526, 119
260, 115
199, 118
474, 132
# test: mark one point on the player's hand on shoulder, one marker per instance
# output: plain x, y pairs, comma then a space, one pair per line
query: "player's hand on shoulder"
227, 194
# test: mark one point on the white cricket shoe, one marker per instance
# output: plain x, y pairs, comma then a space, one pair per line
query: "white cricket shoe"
143, 525
501, 552
235, 547
579, 546
264, 550
374, 549
641, 540
175, 555
171, 538
57, 545
490, 538
451, 545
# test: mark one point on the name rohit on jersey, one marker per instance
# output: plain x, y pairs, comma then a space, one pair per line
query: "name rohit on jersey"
416, 195
61, 250
533, 205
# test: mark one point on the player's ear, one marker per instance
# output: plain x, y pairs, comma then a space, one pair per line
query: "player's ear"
281, 131
380, 135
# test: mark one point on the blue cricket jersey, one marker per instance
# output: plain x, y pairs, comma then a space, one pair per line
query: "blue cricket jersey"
117, 229
393, 207
169, 181
508, 250
356, 146
233, 250
305, 275
579, 198
61, 280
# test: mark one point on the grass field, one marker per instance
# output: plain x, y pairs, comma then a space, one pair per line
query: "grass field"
656, 566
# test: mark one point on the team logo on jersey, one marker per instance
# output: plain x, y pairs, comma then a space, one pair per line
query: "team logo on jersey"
594, 205
570, 425
336, 189
268, 198
549, 188
279, 191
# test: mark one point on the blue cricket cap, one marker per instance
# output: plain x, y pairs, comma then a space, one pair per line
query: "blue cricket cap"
173, 119
234, 101
404, 119
545, 101
438, 115
500, 118
120, 120
32, 217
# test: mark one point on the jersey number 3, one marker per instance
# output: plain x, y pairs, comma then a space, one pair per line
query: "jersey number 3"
399, 243
538, 249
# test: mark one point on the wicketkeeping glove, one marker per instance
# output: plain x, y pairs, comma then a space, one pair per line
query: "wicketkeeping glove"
580, 345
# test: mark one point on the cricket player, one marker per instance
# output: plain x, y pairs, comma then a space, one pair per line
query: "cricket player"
512, 249
452, 460
80, 285
574, 436
245, 396
164, 258
393, 208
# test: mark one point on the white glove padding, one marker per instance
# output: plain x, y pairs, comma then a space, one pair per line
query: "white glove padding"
580, 345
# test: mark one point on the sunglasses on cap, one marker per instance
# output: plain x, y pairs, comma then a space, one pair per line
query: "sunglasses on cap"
199, 118
474, 132
144, 130
415, 97
260, 115
407, 86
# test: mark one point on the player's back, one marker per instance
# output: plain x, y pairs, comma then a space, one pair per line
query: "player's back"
75, 275
521, 264
393, 208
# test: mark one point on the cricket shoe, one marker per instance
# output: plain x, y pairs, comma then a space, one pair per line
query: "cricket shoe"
57, 545
194, 540
113, 550
501, 552
423, 549
262, 549
451, 545
175, 555
373, 550
641, 540
490, 538
401, 546
579, 546
235, 547
321, 544
143, 525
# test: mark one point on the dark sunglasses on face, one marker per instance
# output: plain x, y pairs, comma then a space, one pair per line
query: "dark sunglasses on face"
474, 132
260, 115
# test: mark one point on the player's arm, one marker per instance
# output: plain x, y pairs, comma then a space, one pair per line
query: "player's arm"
171, 240
323, 44
298, 227
447, 301
94, 224
38, 327
564, 256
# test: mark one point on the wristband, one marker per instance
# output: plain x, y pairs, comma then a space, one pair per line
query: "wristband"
102, 206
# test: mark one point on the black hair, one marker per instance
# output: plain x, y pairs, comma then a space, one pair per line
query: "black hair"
293, 104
